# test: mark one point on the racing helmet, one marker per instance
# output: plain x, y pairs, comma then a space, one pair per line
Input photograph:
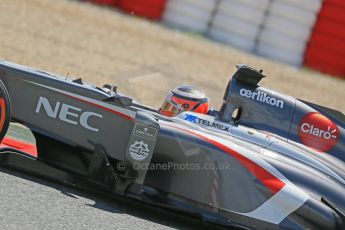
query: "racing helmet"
184, 98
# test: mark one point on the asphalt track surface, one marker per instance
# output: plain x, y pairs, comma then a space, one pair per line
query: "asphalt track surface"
32, 203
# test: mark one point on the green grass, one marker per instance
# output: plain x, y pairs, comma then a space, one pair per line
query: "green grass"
20, 132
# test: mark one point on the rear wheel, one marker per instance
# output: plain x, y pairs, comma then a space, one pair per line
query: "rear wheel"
5, 111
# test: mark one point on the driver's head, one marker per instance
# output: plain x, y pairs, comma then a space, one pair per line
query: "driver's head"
184, 98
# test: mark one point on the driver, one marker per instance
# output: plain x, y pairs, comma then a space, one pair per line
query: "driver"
184, 98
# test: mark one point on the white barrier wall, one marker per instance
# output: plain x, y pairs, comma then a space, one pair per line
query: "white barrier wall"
191, 15
287, 29
238, 22
277, 29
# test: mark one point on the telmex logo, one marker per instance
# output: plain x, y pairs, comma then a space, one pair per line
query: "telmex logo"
211, 124
318, 132
262, 97
67, 113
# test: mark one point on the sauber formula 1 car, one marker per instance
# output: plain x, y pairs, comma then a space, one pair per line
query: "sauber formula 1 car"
274, 162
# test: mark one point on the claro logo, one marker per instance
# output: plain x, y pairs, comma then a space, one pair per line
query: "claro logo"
262, 97
318, 132
325, 134
67, 113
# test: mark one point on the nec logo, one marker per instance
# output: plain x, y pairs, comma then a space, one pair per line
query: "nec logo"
67, 113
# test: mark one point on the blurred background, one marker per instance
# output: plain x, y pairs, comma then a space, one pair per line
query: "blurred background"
308, 33
149, 46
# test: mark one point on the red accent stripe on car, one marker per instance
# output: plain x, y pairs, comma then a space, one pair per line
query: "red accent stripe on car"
102, 107
19, 145
264, 176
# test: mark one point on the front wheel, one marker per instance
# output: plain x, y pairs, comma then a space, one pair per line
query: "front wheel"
5, 110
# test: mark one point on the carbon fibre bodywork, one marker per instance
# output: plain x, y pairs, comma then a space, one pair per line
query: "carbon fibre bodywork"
278, 164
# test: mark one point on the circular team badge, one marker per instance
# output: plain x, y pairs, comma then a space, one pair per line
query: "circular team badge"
139, 150
318, 132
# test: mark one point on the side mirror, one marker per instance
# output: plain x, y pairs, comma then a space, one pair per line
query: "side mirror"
236, 115
127, 101
123, 100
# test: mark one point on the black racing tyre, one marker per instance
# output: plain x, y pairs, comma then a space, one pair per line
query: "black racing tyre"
5, 111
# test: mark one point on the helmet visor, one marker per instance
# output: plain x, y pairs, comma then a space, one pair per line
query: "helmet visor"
174, 105
169, 107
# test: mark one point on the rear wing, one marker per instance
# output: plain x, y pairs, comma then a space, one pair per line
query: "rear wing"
332, 113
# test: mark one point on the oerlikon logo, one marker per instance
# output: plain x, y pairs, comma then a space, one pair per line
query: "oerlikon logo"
318, 132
